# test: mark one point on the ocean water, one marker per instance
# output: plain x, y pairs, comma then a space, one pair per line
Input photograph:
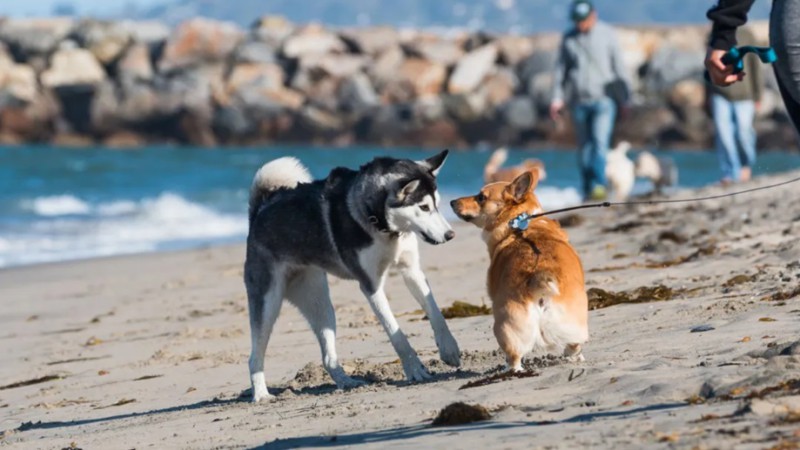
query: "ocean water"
61, 204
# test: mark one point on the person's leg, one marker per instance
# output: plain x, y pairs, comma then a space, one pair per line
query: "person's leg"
792, 106
725, 140
602, 129
784, 35
580, 119
743, 114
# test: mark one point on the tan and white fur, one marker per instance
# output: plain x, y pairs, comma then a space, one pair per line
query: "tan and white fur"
535, 278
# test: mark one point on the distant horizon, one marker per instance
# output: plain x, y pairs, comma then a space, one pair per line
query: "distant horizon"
509, 16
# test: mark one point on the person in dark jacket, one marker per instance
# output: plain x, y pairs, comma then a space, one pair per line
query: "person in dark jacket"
733, 109
784, 35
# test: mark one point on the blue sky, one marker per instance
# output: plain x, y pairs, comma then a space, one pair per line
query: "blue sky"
44, 7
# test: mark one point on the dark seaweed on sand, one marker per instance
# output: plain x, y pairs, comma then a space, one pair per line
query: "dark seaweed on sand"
599, 298
464, 309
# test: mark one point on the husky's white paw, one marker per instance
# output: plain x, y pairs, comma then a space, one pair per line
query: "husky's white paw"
262, 396
448, 350
346, 382
415, 370
260, 392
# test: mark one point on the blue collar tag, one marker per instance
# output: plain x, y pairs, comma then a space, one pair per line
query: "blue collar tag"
520, 222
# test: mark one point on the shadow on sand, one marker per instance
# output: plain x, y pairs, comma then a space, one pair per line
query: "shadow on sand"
411, 432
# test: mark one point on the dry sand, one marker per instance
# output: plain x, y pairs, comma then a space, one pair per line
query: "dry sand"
150, 351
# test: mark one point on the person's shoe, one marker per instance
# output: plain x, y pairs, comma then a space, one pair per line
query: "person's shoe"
598, 194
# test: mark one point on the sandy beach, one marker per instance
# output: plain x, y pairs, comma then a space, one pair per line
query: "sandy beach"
150, 351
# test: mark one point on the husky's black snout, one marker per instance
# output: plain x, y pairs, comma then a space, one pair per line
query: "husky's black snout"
449, 235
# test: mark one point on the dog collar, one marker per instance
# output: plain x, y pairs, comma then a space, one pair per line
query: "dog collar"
520, 222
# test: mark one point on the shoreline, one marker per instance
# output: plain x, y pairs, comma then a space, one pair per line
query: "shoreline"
142, 349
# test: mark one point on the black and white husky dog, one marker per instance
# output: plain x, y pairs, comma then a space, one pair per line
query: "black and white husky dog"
354, 225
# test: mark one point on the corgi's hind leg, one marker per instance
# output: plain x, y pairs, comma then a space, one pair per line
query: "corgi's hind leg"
574, 352
516, 334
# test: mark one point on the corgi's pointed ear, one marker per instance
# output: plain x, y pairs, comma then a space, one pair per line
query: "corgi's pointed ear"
522, 186
434, 163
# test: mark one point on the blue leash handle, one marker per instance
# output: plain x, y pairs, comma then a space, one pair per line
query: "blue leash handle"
735, 57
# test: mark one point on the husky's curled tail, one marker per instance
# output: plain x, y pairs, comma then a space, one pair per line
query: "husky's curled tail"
286, 172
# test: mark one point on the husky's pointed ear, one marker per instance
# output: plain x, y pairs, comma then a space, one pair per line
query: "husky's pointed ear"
521, 186
434, 163
406, 190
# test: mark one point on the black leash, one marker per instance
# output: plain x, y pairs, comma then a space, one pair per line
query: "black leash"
521, 221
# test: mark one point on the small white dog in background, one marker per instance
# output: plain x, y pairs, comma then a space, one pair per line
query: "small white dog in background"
620, 172
661, 171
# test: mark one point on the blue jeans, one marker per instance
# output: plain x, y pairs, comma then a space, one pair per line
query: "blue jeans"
733, 122
594, 123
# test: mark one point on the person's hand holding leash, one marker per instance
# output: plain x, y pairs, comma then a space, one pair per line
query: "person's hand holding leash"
720, 73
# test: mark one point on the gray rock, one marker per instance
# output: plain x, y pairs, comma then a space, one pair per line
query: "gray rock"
334, 64
135, 64
252, 51
385, 66
272, 30
537, 63
106, 40
372, 40
441, 51
515, 49
472, 69
670, 65
467, 107
18, 82
29, 37
312, 40
519, 113
145, 32
356, 95
73, 66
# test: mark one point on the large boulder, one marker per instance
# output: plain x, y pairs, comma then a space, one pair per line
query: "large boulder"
334, 64
272, 30
472, 69
106, 40
259, 89
670, 65
519, 113
467, 107
135, 64
426, 77
500, 86
19, 82
145, 31
198, 42
514, 49
441, 51
32, 122
356, 95
255, 51
312, 40
371, 40
73, 66
540, 61
385, 66
31, 37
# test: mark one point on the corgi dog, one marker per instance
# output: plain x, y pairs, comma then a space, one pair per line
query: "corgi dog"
494, 171
535, 278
